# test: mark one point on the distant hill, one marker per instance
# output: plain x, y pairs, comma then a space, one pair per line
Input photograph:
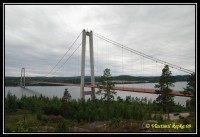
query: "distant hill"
14, 81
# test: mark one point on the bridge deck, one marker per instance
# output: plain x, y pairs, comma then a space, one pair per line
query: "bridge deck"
151, 91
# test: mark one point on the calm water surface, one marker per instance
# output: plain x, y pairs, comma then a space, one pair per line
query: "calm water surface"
58, 91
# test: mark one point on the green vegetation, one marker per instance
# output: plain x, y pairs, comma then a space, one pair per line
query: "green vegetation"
166, 81
191, 89
106, 86
44, 114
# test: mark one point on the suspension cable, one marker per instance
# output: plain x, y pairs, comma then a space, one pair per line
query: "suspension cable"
68, 58
63, 55
64, 62
62, 59
142, 54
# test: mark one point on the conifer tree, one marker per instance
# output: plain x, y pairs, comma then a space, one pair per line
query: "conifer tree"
166, 81
106, 88
65, 108
191, 89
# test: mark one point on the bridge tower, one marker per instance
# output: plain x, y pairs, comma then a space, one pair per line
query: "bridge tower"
92, 92
22, 82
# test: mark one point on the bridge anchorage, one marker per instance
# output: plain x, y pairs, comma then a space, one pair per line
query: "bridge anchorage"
22, 82
92, 92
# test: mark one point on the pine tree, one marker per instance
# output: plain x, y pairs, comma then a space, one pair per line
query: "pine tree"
191, 89
65, 107
66, 97
166, 81
106, 88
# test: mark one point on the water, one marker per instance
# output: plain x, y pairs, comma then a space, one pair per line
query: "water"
58, 91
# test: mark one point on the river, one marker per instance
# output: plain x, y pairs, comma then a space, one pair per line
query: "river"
58, 91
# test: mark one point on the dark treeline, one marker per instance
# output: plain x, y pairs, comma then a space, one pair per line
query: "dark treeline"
87, 110
15, 81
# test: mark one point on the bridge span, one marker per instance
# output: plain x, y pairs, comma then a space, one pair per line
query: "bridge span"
151, 91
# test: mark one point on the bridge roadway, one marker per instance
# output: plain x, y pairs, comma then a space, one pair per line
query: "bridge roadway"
151, 91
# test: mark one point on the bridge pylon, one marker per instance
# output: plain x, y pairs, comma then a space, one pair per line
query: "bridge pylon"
22, 82
82, 92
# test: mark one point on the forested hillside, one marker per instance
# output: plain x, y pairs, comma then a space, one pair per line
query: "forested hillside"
14, 81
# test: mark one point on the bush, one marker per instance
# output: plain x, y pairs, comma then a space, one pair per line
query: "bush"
39, 116
62, 127
54, 118
51, 109
42, 118
11, 102
8, 130
115, 122
23, 126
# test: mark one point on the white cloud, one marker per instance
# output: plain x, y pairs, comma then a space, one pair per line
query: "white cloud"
37, 36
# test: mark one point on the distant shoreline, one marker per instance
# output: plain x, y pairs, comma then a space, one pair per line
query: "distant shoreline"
123, 79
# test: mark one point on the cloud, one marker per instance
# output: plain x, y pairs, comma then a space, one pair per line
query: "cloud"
37, 36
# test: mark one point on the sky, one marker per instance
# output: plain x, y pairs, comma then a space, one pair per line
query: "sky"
38, 36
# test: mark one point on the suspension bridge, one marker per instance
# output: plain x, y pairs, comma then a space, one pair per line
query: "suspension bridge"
126, 55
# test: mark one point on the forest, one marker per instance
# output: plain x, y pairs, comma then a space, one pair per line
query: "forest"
110, 113
65, 114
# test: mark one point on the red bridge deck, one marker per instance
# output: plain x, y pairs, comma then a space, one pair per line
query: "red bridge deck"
152, 91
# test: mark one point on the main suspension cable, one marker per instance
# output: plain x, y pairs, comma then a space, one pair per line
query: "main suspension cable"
142, 54
63, 55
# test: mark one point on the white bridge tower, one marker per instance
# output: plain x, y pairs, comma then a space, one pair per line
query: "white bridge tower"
92, 92
22, 82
